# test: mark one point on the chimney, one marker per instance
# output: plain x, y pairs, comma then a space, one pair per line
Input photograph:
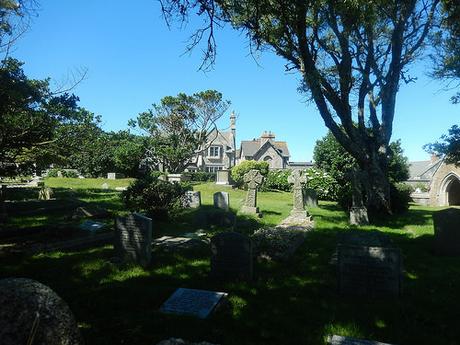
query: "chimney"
266, 136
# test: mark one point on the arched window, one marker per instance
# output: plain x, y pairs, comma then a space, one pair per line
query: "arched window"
268, 159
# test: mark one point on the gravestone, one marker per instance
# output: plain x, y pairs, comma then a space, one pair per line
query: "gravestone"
310, 197
339, 340
298, 179
222, 200
3, 214
105, 186
91, 226
254, 179
133, 239
197, 303
29, 307
177, 178
114, 176
447, 231
368, 264
192, 199
45, 193
231, 256
358, 212
223, 177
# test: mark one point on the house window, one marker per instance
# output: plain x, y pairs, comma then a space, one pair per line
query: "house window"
213, 169
214, 151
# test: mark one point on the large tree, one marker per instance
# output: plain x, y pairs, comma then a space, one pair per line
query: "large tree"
352, 56
180, 127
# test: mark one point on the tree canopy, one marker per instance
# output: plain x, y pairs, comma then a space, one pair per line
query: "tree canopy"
351, 55
181, 126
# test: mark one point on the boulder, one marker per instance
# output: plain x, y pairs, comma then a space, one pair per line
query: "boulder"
33, 313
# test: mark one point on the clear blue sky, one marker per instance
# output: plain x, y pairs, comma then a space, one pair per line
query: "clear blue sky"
133, 60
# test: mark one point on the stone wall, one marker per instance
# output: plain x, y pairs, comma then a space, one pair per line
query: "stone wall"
445, 174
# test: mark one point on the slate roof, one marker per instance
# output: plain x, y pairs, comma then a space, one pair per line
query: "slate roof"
251, 147
423, 170
222, 138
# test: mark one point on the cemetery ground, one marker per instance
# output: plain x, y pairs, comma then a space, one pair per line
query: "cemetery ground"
292, 302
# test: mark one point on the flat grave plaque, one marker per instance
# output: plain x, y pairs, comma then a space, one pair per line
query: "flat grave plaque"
338, 340
192, 302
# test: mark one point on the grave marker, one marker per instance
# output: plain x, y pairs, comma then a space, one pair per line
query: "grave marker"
254, 179
368, 265
223, 177
222, 200
133, 239
197, 303
298, 179
192, 199
231, 256
310, 197
447, 231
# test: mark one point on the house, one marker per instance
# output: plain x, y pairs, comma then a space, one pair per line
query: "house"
441, 179
266, 149
219, 152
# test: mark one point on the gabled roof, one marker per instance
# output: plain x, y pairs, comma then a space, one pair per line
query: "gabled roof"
218, 137
249, 148
423, 170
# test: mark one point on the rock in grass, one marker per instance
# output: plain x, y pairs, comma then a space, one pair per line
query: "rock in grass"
32, 313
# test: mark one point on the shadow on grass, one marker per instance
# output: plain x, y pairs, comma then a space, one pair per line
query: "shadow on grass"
295, 302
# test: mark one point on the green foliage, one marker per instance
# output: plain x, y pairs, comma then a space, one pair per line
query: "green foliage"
238, 171
400, 197
179, 127
448, 147
201, 176
277, 180
156, 197
69, 174
324, 184
53, 172
331, 158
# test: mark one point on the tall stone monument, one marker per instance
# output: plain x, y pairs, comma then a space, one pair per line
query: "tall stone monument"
254, 179
298, 179
358, 212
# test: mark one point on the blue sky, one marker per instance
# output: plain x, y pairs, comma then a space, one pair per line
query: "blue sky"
133, 60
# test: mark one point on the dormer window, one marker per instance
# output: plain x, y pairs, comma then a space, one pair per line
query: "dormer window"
214, 151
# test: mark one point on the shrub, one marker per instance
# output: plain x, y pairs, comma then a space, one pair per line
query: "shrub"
400, 197
53, 172
69, 173
154, 196
242, 168
324, 184
277, 180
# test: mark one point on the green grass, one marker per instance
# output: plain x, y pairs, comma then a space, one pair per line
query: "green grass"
288, 303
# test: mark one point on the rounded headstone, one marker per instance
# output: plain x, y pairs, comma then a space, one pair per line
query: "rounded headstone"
31, 310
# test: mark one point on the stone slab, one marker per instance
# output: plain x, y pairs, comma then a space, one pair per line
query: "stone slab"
192, 199
91, 226
192, 302
222, 200
339, 340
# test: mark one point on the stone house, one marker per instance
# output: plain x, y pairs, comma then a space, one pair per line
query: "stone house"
265, 148
219, 152
442, 182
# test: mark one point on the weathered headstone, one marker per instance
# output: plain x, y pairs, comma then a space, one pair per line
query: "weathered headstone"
298, 179
231, 256
222, 200
358, 212
177, 178
32, 313
192, 199
368, 265
114, 176
310, 197
133, 239
105, 186
339, 340
223, 177
254, 179
45, 193
197, 303
3, 214
447, 231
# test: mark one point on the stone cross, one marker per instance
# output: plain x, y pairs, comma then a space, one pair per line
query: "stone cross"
298, 179
254, 179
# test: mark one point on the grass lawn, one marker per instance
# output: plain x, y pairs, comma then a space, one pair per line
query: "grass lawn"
288, 303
